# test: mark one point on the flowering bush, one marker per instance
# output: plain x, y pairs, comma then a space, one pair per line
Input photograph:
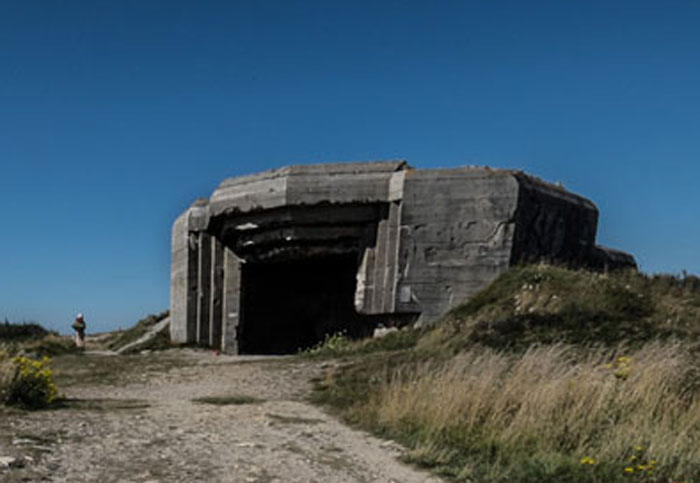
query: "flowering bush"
26, 382
333, 344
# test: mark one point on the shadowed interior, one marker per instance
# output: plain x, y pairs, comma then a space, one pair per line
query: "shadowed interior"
292, 305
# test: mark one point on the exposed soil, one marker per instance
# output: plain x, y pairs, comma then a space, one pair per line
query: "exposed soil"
185, 415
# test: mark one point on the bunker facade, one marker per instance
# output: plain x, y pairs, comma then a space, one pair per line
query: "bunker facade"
273, 262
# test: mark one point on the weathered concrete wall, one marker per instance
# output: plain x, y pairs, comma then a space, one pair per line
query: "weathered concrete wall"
217, 294
180, 285
231, 304
552, 224
375, 292
455, 237
204, 294
337, 183
184, 282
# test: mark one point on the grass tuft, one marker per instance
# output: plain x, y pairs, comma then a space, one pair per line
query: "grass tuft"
339, 345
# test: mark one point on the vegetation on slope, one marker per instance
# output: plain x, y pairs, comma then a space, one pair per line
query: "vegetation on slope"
26, 382
32, 338
26, 379
548, 374
546, 304
122, 338
21, 332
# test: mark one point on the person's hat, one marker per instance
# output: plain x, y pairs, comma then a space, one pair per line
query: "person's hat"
79, 317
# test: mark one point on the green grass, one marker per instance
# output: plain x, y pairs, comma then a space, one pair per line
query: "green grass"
338, 345
523, 381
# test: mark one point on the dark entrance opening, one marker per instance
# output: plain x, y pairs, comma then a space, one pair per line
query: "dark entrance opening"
292, 305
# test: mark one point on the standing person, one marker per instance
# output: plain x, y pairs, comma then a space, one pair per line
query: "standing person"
79, 328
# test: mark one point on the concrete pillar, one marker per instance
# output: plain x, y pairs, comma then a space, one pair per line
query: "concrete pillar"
183, 282
380, 255
378, 272
203, 287
391, 259
217, 293
364, 287
185, 272
178, 280
231, 305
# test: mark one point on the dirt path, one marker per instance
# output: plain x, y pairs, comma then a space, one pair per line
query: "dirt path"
152, 429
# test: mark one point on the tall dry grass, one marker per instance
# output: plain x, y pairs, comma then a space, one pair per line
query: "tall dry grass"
487, 416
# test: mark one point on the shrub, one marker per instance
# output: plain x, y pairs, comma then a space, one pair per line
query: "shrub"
332, 345
26, 382
19, 332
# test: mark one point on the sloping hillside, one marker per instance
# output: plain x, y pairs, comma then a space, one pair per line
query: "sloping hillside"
549, 374
546, 304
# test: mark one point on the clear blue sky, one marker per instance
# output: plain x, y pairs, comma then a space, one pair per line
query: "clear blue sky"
115, 115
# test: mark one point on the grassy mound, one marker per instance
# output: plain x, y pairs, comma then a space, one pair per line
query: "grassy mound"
51, 345
122, 338
32, 338
547, 304
549, 374
10, 332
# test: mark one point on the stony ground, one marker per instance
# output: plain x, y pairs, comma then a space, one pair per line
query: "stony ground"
138, 418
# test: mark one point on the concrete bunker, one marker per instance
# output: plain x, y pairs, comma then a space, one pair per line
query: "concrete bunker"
274, 262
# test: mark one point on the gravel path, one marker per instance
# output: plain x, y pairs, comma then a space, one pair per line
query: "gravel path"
153, 430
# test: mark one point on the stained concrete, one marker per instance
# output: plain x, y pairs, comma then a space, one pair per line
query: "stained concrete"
275, 261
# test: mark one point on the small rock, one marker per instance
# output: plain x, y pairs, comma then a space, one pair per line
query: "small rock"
10, 462
20, 441
247, 445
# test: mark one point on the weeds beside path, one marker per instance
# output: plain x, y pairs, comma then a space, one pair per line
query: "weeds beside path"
183, 416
